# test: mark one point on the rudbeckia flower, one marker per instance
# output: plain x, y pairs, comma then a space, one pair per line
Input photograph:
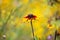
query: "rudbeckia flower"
31, 17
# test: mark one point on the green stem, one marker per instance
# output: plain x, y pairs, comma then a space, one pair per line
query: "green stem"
32, 29
55, 35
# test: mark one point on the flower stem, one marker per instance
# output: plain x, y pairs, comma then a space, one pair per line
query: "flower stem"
32, 29
55, 35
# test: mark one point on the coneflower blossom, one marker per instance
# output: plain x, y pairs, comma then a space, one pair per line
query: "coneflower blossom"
31, 17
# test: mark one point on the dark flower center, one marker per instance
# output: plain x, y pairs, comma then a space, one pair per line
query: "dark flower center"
30, 16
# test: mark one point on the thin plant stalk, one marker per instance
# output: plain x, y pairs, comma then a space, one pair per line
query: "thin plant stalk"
32, 29
55, 35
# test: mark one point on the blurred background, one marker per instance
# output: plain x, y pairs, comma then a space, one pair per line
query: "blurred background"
13, 25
